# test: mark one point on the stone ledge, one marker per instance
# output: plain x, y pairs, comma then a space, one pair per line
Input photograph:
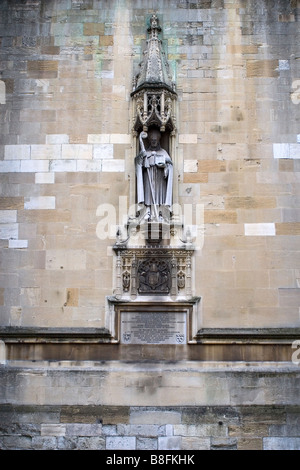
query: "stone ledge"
15, 334
247, 335
98, 344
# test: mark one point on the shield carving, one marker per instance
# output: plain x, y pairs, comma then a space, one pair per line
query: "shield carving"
153, 276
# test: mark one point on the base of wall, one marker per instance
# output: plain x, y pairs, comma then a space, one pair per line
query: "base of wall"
95, 427
153, 405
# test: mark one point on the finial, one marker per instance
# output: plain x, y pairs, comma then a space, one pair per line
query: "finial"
154, 23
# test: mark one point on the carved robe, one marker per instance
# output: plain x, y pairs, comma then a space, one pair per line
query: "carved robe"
154, 172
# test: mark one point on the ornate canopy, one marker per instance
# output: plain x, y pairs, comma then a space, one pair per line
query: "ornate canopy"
153, 88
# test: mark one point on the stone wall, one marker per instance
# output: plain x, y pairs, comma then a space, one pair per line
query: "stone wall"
67, 148
66, 156
133, 428
150, 406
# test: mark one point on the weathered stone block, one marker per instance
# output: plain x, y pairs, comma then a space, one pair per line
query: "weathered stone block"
62, 165
220, 216
9, 231
195, 443
89, 166
203, 414
289, 297
47, 152
93, 29
36, 115
90, 443
260, 229
144, 443
98, 138
69, 260
113, 165
286, 165
120, 138
190, 166
115, 414
146, 430
288, 228
78, 414
48, 216
44, 443
10, 166
188, 138
11, 203
44, 178
101, 151
53, 430
200, 430
223, 444
262, 68
154, 417
83, 429
17, 443
17, 152
120, 443
57, 139
77, 151
51, 50
34, 166
211, 166
195, 178
242, 49
109, 430
42, 65
212, 202
250, 443
91, 297
8, 216
18, 244
40, 202
106, 41
169, 443
250, 202
281, 443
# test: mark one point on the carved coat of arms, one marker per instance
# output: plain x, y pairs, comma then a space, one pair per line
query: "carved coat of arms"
154, 277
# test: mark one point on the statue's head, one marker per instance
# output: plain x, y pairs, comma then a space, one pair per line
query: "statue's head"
154, 138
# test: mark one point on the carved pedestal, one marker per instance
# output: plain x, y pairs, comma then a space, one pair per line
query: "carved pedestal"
153, 271
153, 299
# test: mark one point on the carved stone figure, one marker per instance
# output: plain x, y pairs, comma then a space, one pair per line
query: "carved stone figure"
126, 281
154, 172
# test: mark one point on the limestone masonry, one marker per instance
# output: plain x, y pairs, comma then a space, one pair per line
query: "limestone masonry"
69, 139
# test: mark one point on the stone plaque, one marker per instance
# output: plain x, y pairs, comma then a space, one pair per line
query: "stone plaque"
153, 328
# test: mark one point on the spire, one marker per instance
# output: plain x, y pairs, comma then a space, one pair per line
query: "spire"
153, 89
154, 68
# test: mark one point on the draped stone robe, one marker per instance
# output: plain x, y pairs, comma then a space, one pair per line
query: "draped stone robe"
151, 173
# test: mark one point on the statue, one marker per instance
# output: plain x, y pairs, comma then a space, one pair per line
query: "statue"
154, 172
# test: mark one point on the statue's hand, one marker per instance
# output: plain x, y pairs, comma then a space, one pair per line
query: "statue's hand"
140, 158
168, 160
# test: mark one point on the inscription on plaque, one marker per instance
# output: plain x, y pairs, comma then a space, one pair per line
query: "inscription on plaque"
153, 327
